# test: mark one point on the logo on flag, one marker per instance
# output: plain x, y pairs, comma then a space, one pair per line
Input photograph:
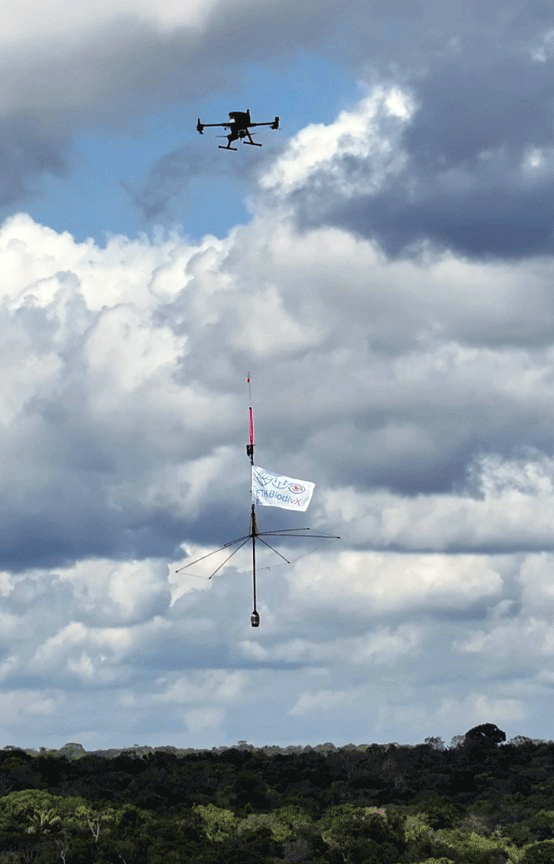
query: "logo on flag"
297, 488
275, 490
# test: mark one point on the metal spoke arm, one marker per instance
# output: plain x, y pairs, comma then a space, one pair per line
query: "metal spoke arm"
245, 537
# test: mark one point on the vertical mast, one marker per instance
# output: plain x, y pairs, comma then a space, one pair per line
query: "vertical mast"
250, 446
254, 618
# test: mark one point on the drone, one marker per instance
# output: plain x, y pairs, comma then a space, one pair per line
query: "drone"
238, 124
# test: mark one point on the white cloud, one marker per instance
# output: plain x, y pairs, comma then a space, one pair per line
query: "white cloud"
527, 634
320, 700
383, 645
17, 705
30, 22
199, 719
478, 708
375, 583
121, 332
105, 642
515, 639
266, 326
216, 685
354, 134
120, 592
507, 504
536, 579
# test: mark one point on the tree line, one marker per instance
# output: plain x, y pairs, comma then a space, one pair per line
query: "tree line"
480, 801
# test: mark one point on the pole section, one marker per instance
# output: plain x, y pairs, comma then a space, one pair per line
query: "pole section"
254, 618
250, 445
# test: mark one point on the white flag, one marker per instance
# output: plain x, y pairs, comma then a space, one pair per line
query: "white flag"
275, 490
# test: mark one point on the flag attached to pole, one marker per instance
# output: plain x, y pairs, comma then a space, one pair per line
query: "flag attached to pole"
274, 490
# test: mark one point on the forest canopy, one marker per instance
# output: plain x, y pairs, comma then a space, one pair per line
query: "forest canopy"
482, 800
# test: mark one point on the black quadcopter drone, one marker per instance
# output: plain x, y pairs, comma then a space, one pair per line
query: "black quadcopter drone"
238, 124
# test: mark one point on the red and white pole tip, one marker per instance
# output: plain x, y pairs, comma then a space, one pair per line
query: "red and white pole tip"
250, 445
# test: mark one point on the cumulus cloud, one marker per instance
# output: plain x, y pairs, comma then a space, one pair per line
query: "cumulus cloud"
478, 708
380, 646
450, 150
375, 584
200, 719
81, 654
320, 700
530, 629
506, 505
216, 685
27, 703
379, 172
533, 637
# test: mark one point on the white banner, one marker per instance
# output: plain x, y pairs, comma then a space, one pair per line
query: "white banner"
274, 490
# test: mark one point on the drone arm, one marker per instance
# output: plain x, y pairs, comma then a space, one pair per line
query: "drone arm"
273, 123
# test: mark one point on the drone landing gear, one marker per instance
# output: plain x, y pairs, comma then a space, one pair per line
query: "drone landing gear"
221, 147
253, 143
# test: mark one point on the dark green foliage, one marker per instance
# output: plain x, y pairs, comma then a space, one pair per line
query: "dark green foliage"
19, 771
480, 743
483, 801
486, 735
539, 826
440, 813
539, 853
307, 845
364, 834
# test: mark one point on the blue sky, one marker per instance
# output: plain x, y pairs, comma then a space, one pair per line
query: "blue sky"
383, 266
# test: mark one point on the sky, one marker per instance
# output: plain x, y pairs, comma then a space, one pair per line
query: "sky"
383, 266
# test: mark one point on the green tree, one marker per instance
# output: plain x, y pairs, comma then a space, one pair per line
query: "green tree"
284, 823
539, 853
440, 813
540, 826
483, 739
486, 734
32, 811
93, 819
218, 824
364, 834
44, 822
474, 848
436, 861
